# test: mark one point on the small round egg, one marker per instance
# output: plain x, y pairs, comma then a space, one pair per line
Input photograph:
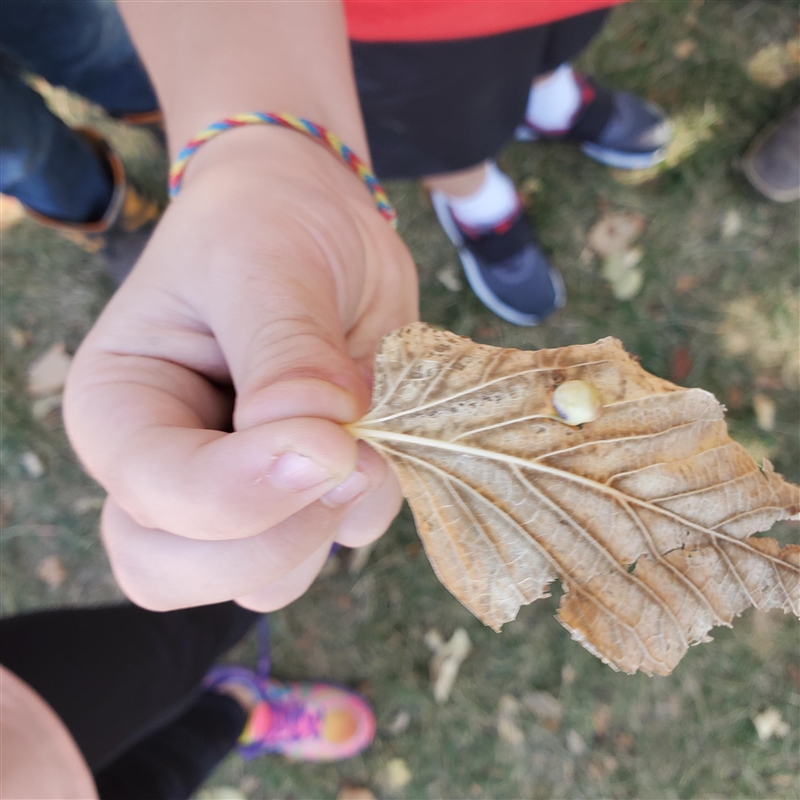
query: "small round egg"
577, 402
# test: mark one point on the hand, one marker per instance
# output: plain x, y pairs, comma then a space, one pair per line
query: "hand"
209, 397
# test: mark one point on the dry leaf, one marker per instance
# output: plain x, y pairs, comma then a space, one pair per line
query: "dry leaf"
48, 373
399, 724
355, 793
221, 793
446, 661
546, 708
359, 558
769, 723
684, 49
19, 338
575, 744
644, 515
627, 286
449, 277
764, 407
32, 464
44, 406
508, 728
395, 775
774, 65
685, 283
613, 235
51, 571
731, 224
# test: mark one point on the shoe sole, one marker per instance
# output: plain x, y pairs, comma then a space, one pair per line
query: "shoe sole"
475, 279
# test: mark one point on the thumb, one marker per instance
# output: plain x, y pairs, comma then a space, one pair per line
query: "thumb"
283, 338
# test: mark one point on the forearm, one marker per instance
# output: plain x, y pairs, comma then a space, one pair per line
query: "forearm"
211, 60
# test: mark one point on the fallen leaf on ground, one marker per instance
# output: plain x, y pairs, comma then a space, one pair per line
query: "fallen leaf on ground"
19, 338
621, 272
546, 708
774, 65
685, 283
221, 793
508, 728
399, 724
48, 373
51, 571
32, 464
446, 661
764, 407
769, 723
601, 718
359, 558
575, 744
449, 277
766, 337
681, 363
355, 793
684, 49
731, 224
395, 775
44, 406
645, 514
627, 286
613, 235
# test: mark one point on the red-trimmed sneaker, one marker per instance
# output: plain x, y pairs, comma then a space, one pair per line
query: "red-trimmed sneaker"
302, 721
505, 266
615, 128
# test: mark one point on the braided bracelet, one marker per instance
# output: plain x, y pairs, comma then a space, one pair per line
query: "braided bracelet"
322, 135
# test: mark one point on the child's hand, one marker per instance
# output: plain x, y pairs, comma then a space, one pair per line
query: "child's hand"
256, 309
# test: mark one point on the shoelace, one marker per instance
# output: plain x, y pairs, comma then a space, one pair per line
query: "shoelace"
291, 721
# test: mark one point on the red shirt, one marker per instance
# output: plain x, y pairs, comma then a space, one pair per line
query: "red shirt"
437, 20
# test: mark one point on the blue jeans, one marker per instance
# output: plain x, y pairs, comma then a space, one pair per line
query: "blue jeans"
82, 45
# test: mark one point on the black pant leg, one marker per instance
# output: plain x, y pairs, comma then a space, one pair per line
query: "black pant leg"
173, 762
116, 674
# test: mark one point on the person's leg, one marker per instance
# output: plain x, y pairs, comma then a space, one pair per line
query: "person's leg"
174, 761
616, 128
46, 165
117, 674
82, 45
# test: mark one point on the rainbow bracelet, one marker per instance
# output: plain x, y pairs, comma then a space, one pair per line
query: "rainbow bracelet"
322, 135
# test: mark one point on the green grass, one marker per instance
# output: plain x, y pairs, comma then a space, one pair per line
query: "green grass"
689, 735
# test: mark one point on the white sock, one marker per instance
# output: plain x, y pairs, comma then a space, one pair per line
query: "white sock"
490, 205
553, 102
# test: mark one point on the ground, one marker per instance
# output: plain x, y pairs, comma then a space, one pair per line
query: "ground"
718, 309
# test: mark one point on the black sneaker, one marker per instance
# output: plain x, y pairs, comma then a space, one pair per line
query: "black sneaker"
505, 267
615, 128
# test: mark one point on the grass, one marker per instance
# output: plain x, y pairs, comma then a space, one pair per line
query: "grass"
689, 735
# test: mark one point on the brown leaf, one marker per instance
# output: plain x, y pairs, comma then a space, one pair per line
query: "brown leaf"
51, 571
446, 662
48, 373
684, 49
680, 365
644, 514
546, 708
613, 235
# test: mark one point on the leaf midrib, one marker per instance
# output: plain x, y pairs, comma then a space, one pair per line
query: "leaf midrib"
367, 434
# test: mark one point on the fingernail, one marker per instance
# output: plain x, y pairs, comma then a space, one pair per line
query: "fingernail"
346, 491
296, 473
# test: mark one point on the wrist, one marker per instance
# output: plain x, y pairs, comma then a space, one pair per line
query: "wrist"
282, 155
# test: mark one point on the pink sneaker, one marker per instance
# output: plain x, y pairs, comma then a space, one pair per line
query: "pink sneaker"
302, 721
